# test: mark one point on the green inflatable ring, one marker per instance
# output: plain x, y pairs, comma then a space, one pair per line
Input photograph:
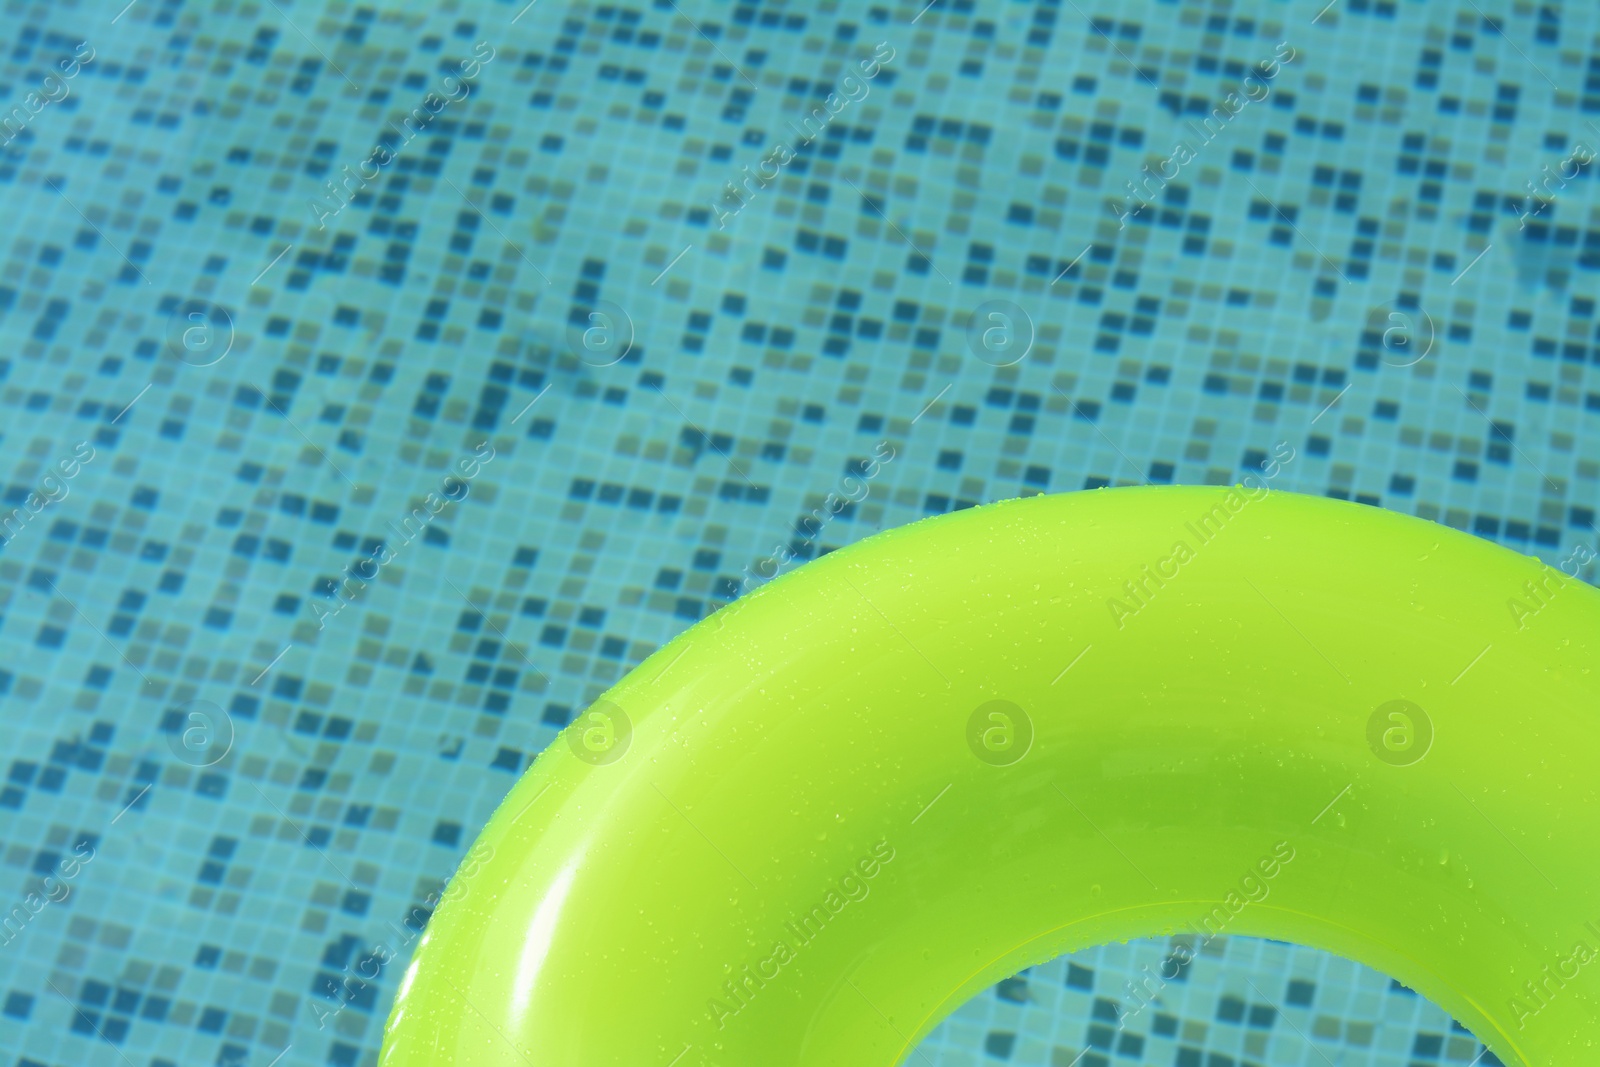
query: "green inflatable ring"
812, 826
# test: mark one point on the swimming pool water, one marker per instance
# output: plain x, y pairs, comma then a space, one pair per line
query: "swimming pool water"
380, 382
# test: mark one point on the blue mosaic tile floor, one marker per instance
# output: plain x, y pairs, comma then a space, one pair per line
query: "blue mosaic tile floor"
379, 383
